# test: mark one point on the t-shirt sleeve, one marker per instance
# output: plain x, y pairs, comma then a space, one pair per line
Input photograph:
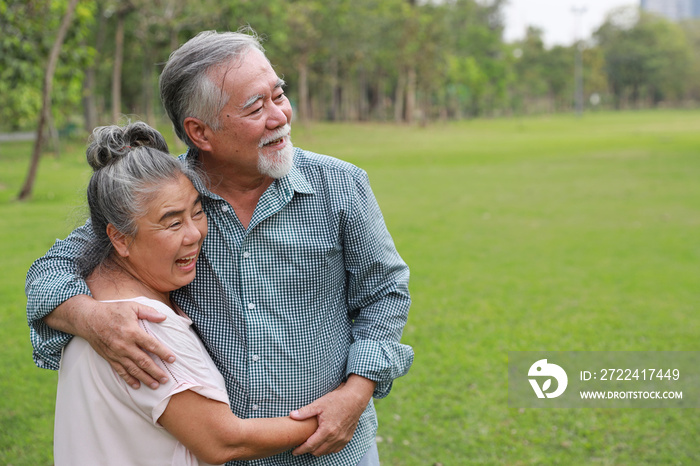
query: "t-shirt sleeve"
193, 368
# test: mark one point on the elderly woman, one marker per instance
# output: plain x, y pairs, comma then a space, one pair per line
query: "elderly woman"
149, 227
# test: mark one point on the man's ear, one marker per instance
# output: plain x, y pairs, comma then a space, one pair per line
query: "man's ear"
119, 240
198, 132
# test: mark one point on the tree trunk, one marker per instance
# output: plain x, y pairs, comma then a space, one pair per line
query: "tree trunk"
303, 90
26, 191
90, 112
399, 97
335, 92
89, 105
117, 70
363, 101
410, 94
173, 39
147, 85
377, 102
53, 135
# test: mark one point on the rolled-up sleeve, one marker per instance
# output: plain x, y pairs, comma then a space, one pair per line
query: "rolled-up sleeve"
51, 280
378, 296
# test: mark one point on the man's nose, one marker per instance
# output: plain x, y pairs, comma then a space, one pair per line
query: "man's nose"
279, 116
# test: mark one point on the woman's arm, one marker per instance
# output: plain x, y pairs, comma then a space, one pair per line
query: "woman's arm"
215, 435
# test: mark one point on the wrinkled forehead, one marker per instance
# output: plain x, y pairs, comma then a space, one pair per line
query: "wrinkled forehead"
175, 194
218, 73
245, 78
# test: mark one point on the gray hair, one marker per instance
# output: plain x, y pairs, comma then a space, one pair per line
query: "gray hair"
130, 164
186, 85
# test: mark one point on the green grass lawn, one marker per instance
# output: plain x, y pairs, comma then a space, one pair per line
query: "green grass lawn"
551, 233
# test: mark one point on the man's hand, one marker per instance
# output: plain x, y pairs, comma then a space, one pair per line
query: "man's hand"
113, 331
338, 414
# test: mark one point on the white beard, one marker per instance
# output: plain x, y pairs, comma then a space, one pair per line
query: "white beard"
276, 164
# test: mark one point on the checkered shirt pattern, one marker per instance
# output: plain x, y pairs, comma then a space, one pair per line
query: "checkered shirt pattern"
312, 291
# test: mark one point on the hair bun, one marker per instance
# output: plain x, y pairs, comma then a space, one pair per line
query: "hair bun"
108, 144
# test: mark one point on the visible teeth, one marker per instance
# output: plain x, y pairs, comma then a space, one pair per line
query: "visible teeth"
186, 260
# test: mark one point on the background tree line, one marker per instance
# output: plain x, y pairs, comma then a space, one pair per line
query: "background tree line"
343, 60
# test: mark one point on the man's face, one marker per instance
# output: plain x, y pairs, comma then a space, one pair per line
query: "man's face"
255, 122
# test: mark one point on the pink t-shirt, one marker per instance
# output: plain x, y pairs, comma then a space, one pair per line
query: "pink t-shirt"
102, 420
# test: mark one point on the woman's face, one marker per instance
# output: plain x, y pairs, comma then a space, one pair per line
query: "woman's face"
164, 252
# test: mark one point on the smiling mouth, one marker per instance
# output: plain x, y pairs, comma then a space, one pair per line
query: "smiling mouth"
275, 142
185, 261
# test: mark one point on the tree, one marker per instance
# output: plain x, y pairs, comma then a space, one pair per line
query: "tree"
645, 59
123, 9
473, 46
25, 44
529, 86
90, 111
28, 186
342, 59
558, 66
691, 28
594, 79
303, 44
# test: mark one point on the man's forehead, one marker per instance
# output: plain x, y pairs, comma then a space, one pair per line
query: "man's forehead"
246, 78
250, 62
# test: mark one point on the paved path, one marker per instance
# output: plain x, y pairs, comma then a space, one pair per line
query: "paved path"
7, 137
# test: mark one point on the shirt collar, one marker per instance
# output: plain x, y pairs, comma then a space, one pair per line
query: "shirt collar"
295, 179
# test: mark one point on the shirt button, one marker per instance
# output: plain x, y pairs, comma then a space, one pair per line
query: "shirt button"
251, 306
254, 407
224, 208
255, 358
246, 255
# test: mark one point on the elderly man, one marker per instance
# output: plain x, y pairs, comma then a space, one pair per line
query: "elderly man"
300, 295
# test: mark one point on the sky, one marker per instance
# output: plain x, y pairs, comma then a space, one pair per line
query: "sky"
557, 19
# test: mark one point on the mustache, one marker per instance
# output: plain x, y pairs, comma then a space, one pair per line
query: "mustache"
277, 134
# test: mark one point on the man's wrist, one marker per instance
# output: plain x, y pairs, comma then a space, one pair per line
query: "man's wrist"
68, 316
362, 386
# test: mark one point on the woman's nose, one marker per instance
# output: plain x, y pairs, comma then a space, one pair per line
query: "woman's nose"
192, 233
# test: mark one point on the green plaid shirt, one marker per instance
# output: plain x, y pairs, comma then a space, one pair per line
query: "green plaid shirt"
312, 291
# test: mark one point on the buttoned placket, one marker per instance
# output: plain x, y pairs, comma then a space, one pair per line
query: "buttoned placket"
271, 202
247, 294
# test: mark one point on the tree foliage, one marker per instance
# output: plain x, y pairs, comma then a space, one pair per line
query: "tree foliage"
649, 58
46, 92
342, 59
28, 30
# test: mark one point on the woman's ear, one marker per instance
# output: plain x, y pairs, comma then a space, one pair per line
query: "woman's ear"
119, 240
198, 132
